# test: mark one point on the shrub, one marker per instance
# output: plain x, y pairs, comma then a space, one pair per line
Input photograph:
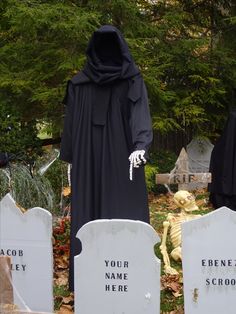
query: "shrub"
160, 162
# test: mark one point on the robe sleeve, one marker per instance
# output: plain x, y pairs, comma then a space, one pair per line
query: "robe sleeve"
140, 119
66, 142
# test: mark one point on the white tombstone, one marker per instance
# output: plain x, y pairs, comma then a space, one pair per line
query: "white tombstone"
27, 239
199, 155
117, 271
209, 263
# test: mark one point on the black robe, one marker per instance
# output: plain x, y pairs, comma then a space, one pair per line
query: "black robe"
223, 167
107, 118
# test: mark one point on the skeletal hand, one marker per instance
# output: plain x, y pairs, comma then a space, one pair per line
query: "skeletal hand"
136, 159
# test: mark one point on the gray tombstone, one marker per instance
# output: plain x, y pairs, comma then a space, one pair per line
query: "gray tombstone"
117, 271
181, 174
27, 239
209, 263
199, 155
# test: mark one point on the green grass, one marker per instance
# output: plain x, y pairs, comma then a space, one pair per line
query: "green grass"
59, 292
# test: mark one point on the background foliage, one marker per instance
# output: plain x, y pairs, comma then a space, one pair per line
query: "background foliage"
185, 50
160, 162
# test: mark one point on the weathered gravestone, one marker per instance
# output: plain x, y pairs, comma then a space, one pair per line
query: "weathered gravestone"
117, 271
181, 174
209, 263
26, 238
199, 155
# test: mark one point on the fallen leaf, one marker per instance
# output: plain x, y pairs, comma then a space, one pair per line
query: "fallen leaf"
61, 280
65, 309
67, 300
61, 262
66, 191
172, 283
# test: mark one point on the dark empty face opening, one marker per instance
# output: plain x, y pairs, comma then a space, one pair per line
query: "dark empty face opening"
107, 48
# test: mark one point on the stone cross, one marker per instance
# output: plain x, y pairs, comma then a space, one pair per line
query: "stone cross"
180, 174
117, 270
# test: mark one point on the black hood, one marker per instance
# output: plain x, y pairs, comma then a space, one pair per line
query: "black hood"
108, 57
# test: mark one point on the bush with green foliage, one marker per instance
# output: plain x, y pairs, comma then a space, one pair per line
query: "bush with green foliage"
17, 136
160, 162
184, 49
58, 178
28, 190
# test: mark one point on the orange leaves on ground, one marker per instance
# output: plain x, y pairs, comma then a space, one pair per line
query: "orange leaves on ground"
172, 283
65, 309
66, 304
66, 191
61, 247
61, 278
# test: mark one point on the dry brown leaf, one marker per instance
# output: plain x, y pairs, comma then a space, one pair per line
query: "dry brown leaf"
172, 283
62, 262
65, 309
62, 279
67, 300
175, 286
66, 191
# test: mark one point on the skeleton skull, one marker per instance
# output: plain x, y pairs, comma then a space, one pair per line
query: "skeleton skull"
185, 200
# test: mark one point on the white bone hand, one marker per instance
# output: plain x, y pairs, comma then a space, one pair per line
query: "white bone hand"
136, 159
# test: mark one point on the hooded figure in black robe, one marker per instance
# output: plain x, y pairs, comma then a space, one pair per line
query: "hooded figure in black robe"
223, 167
107, 118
